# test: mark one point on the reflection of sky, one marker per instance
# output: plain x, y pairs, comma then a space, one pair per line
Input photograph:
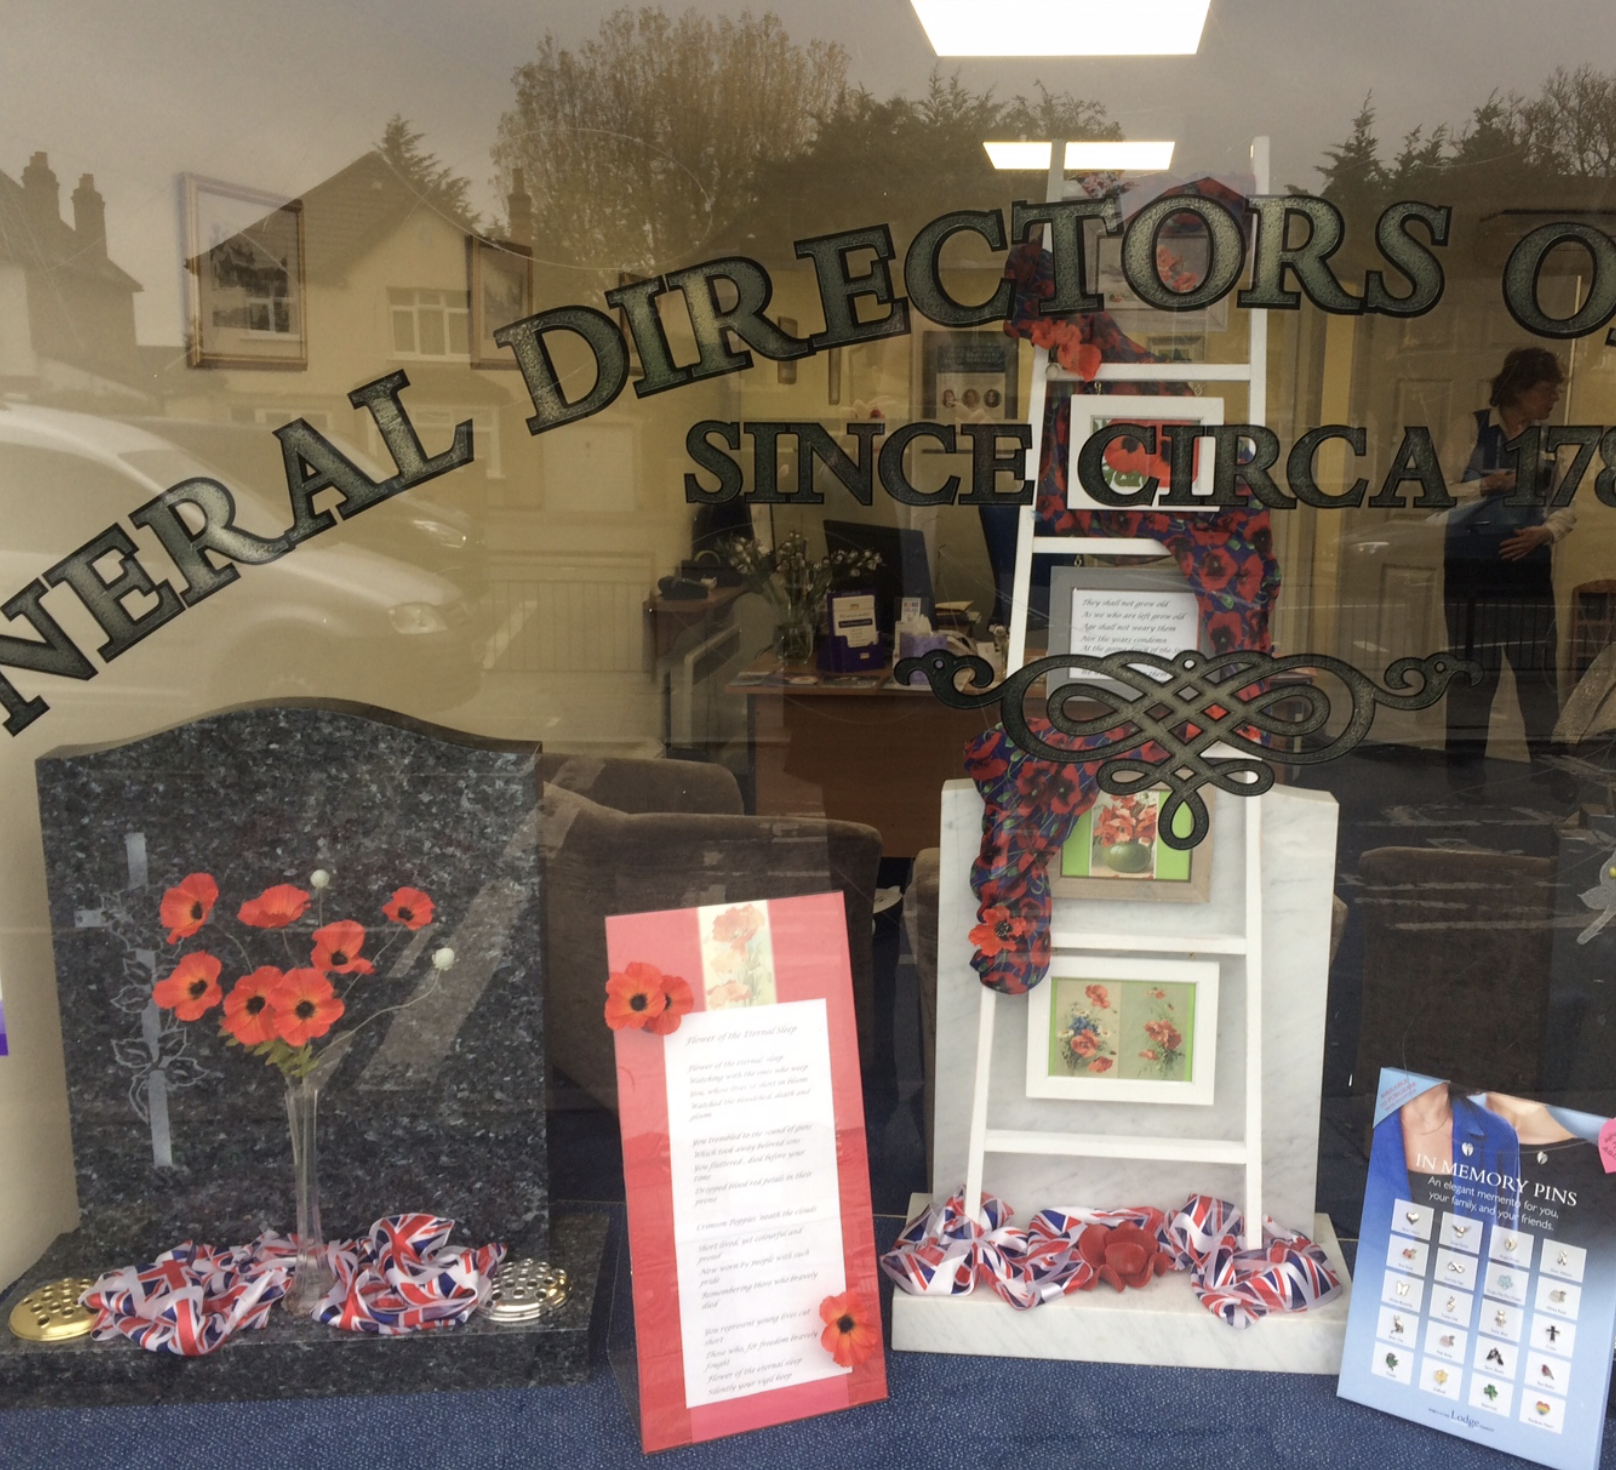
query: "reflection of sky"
280, 99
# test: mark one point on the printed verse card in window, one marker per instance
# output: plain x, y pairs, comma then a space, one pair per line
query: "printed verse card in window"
756, 1294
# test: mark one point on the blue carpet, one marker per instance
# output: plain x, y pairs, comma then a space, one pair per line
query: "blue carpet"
944, 1413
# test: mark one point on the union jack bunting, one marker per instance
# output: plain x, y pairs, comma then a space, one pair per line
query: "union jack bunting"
943, 1252
403, 1277
190, 1299
399, 1278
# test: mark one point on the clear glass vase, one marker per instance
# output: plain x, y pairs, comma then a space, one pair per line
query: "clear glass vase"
794, 636
312, 1277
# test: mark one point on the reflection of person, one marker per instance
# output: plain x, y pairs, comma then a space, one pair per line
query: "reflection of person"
971, 397
1417, 1148
992, 398
949, 400
1497, 564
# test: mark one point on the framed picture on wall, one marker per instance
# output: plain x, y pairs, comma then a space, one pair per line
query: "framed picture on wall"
1128, 464
1116, 852
244, 269
967, 377
1106, 1028
501, 293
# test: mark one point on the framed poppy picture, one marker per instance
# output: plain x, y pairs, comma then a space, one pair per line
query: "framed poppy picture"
1116, 851
1111, 1028
1131, 459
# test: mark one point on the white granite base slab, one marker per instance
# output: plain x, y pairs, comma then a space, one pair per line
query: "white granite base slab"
1162, 1325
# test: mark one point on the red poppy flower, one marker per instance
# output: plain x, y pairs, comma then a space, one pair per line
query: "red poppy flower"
998, 931
1101, 1064
249, 1011
1123, 1255
275, 907
186, 906
1099, 996
192, 988
1216, 570
305, 1006
1150, 1056
1164, 1034
1226, 632
736, 926
634, 996
409, 907
1084, 1044
1082, 358
677, 992
337, 946
851, 1333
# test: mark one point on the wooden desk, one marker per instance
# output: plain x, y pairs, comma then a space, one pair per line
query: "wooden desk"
876, 755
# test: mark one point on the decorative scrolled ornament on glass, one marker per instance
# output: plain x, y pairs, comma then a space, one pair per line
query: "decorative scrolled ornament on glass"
1157, 723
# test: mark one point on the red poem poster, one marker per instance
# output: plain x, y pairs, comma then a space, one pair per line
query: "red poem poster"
748, 1183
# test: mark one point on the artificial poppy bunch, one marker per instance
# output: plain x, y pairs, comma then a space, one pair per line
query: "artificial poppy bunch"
275, 1011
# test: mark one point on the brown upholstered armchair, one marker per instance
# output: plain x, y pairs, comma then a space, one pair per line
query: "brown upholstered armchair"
629, 836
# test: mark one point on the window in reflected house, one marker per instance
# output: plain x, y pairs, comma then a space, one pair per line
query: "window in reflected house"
429, 323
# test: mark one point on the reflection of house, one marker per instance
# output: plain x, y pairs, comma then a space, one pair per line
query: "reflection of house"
67, 313
297, 305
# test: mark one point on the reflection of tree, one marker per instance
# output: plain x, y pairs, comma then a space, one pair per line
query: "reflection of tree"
903, 161
644, 143
1568, 130
435, 183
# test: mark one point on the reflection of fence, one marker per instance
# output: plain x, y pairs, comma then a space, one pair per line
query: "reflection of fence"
569, 614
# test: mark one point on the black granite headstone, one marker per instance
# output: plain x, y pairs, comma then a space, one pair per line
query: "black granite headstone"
435, 1105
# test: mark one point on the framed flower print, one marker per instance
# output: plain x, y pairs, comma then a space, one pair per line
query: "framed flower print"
1105, 1028
1129, 463
1116, 852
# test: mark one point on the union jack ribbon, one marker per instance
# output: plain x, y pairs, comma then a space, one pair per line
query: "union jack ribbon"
943, 1252
190, 1299
399, 1278
403, 1277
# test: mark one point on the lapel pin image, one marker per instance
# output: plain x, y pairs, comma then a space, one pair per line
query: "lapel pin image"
1557, 1297
1460, 1231
1490, 1391
1510, 1243
1501, 1319
1542, 1406
1402, 1288
1506, 1283
1412, 1216
1391, 1361
1446, 1339
1494, 1356
1562, 1259
1440, 1377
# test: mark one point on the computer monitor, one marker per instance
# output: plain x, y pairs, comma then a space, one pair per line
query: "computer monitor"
904, 570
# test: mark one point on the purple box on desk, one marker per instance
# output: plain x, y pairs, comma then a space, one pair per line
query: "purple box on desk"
918, 645
853, 643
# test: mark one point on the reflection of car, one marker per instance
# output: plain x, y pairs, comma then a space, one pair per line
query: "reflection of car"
327, 618
410, 527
